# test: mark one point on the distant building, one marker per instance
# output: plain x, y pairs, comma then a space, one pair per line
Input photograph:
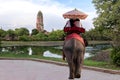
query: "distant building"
39, 22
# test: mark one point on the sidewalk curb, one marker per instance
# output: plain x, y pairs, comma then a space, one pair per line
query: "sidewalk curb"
65, 64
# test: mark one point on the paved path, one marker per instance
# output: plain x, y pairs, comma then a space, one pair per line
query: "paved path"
31, 70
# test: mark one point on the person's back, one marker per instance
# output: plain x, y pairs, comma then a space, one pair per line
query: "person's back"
73, 26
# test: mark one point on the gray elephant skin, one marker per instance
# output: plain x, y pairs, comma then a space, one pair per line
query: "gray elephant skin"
74, 52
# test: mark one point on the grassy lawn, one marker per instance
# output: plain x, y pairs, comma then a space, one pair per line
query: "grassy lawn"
12, 55
86, 62
105, 65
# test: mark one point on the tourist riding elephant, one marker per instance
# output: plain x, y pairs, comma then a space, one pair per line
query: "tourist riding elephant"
74, 52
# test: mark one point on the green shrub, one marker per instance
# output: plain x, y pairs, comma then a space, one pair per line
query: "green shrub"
115, 56
40, 37
24, 38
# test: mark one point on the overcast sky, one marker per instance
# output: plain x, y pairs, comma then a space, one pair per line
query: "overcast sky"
22, 13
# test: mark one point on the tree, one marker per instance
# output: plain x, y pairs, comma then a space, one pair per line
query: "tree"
21, 31
34, 32
24, 38
2, 33
10, 34
56, 35
40, 37
109, 17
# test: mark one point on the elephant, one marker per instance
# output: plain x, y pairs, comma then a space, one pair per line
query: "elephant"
74, 51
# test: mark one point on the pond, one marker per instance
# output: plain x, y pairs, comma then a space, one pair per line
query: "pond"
53, 52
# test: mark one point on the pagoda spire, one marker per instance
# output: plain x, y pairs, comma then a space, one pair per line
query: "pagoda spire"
39, 22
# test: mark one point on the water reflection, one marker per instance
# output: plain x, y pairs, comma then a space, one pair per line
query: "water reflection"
49, 54
55, 52
4, 50
87, 55
30, 51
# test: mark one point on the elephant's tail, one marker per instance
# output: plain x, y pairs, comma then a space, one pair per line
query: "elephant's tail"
74, 50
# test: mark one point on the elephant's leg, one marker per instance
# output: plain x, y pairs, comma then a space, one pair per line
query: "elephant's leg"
70, 64
71, 69
77, 69
79, 63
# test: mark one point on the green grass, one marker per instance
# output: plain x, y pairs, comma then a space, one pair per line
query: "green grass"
94, 63
12, 55
86, 62
100, 64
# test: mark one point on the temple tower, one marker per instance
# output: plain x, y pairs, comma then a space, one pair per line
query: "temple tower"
39, 22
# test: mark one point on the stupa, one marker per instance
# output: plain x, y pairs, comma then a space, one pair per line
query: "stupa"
39, 22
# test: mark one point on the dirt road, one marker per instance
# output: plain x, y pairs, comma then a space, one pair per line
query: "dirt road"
31, 70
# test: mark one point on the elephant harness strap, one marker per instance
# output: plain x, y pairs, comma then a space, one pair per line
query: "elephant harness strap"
76, 36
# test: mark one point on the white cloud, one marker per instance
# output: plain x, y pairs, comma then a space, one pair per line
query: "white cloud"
22, 13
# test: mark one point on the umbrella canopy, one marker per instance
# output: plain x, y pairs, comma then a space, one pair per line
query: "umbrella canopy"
75, 14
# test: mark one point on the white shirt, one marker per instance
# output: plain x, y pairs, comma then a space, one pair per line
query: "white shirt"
68, 24
77, 24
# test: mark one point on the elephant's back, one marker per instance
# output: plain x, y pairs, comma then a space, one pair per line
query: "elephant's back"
73, 44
